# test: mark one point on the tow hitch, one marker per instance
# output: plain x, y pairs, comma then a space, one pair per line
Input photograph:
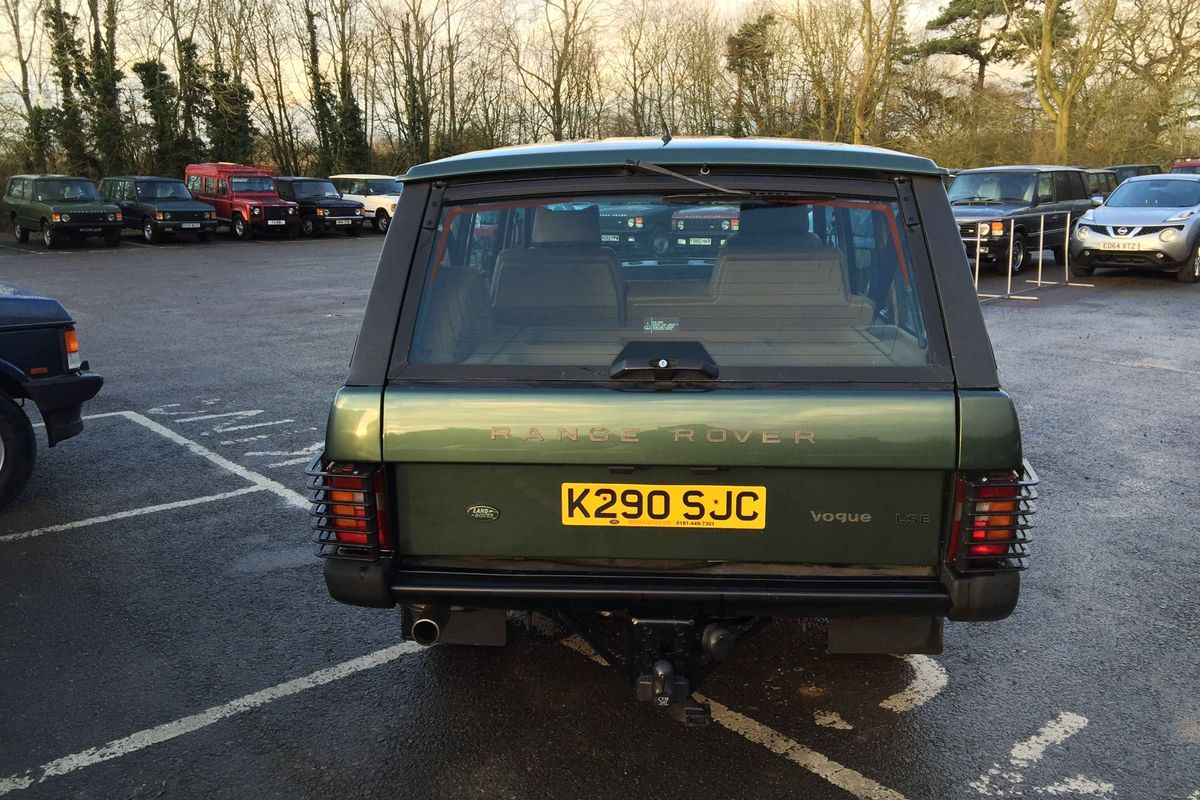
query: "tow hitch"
666, 658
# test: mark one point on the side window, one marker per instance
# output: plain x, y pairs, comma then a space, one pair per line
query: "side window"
222, 186
1079, 185
1045, 187
1062, 186
193, 183
209, 184
356, 187
129, 191
285, 190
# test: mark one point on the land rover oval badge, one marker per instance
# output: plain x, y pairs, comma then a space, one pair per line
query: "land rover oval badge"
483, 513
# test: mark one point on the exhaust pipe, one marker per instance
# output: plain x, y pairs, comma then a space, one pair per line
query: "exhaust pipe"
429, 623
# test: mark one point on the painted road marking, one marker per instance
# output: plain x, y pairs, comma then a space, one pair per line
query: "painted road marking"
137, 512
929, 678
1026, 754
258, 479
171, 730
822, 766
1078, 786
832, 719
291, 462
227, 428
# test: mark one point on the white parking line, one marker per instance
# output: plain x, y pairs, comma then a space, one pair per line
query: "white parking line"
1027, 753
171, 730
929, 678
137, 512
822, 766
226, 429
258, 479
840, 776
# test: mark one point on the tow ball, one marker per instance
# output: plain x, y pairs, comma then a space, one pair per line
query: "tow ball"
666, 658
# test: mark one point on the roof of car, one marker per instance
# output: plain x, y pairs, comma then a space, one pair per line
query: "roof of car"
679, 151
1122, 166
139, 178
1166, 176
360, 175
1022, 168
299, 178
1099, 170
36, 176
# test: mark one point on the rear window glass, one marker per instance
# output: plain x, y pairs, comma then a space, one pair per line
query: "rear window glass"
1165, 193
569, 282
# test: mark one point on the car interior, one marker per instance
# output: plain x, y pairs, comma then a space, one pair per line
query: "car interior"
813, 284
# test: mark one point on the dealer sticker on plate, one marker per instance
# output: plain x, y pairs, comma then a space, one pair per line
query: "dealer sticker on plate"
664, 506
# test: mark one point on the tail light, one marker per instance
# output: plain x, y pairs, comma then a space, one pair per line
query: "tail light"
991, 525
71, 345
348, 509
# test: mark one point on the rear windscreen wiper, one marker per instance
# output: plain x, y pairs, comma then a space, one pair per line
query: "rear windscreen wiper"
646, 166
665, 361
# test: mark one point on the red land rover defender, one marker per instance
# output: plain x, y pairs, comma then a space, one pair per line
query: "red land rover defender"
245, 198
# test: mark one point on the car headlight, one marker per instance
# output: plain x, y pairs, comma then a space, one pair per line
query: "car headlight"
679, 225
320, 212
208, 215
291, 209
112, 217
1181, 216
983, 228
1169, 234
724, 224
1087, 216
67, 217
358, 211
255, 211
1082, 232
167, 215
629, 222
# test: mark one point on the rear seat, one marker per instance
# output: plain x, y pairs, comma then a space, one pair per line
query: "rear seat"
773, 275
564, 278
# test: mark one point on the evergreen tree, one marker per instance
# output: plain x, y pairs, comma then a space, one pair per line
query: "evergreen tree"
324, 120
66, 59
230, 129
101, 90
171, 150
194, 100
354, 154
981, 30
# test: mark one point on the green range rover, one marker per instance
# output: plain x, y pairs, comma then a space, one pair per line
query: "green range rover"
59, 208
665, 454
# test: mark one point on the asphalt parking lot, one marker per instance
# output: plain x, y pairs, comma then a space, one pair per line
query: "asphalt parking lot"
164, 630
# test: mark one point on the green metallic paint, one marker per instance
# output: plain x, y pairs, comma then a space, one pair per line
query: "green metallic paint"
433, 520
713, 151
353, 432
989, 432
849, 429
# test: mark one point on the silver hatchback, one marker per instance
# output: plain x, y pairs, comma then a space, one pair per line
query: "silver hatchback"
1149, 222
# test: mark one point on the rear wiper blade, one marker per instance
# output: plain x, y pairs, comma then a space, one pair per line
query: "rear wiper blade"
646, 166
665, 361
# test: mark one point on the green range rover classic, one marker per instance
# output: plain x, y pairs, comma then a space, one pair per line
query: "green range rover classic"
666, 453
59, 208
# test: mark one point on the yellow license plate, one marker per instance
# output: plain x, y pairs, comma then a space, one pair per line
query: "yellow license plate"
640, 505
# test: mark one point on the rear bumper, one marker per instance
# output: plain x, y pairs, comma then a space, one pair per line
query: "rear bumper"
381, 584
60, 401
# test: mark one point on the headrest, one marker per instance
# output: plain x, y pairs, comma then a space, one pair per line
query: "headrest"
773, 222
566, 227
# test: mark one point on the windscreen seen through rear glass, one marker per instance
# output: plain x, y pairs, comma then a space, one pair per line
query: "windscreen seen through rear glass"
1164, 193
569, 282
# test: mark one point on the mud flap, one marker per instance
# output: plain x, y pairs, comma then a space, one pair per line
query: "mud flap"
892, 635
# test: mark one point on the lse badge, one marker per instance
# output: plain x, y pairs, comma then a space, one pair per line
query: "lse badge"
483, 513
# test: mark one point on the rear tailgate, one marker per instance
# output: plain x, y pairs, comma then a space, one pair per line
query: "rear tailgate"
839, 476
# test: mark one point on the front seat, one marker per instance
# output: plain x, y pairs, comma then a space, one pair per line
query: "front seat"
564, 278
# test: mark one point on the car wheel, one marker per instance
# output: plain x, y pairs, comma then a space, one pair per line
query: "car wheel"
1191, 272
148, 231
239, 228
1020, 254
21, 235
1080, 271
18, 449
382, 220
51, 238
307, 226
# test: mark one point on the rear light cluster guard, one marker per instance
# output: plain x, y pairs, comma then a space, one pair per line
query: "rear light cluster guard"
991, 521
348, 509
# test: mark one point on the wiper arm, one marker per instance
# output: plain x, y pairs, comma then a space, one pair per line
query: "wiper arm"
646, 166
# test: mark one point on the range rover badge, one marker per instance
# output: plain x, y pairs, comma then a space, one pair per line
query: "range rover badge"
483, 513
